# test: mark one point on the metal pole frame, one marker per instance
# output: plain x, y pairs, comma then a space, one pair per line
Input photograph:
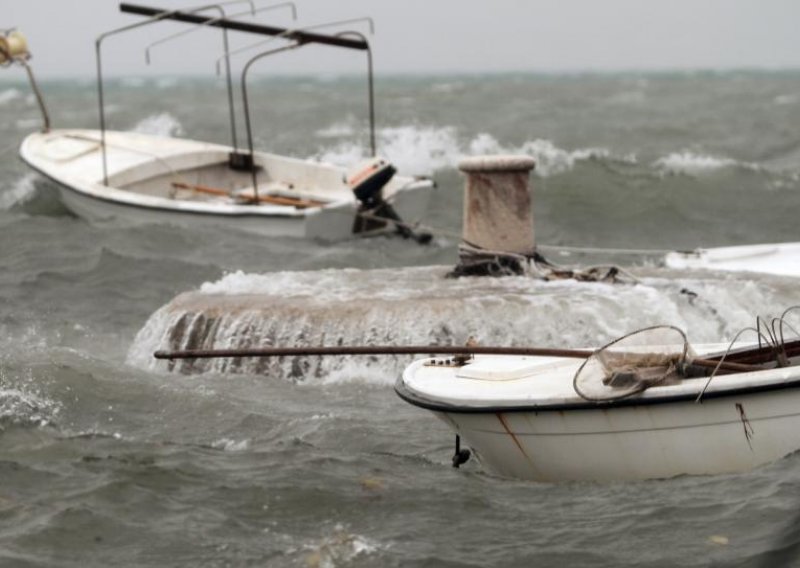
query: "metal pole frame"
226, 46
98, 56
246, 105
370, 86
246, 102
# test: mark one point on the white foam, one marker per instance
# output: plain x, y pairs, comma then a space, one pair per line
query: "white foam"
689, 163
336, 130
229, 445
340, 548
786, 99
426, 149
163, 124
21, 191
418, 306
9, 95
133, 82
22, 404
166, 82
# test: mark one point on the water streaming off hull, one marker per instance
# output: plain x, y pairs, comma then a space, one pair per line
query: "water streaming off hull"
421, 306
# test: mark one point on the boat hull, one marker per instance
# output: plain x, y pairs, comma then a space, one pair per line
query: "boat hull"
536, 427
637, 442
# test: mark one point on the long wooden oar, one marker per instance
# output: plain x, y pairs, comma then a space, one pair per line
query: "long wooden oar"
297, 202
413, 350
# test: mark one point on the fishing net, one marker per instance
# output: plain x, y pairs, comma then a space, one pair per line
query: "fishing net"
633, 363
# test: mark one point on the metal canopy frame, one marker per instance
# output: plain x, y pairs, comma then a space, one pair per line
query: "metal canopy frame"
188, 15
228, 78
158, 16
289, 47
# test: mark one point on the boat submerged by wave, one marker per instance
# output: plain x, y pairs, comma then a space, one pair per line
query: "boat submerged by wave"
639, 408
104, 174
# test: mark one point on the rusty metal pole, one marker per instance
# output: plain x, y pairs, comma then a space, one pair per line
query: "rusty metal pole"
498, 219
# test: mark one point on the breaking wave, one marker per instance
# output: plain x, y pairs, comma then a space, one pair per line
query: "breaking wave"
689, 163
422, 307
422, 150
22, 405
163, 124
9, 95
22, 191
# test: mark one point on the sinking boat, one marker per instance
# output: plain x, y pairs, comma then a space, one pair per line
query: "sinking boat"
781, 259
632, 410
102, 174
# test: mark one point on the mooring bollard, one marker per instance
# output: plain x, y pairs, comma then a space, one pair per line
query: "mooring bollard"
498, 220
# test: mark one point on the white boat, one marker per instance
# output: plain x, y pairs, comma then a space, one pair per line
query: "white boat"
103, 174
523, 417
782, 259
154, 179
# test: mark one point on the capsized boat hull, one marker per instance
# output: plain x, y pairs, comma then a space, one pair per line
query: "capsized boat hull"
143, 169
744, 421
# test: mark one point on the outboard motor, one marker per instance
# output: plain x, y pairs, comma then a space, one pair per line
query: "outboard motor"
367, 181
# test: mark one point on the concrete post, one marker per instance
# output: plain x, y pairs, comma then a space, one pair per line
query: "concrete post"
497, 215
497, 203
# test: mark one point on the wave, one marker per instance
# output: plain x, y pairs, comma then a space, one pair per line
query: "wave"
356, 307
9, 95
22, 191
336, 130
689, 163
786, 99
423, 150
22, 405
163, 124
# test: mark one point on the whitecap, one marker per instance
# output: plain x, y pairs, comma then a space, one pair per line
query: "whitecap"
229, 445
21, 191
163, 124
422, 150
689, 163
336, 130
9, 95
786, 99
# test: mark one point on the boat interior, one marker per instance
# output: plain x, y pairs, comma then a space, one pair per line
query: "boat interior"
280, 181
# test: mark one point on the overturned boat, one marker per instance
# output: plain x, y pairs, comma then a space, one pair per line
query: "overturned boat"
104, 174
645, 406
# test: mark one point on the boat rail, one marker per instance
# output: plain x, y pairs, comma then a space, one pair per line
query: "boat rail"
295, 45
20, 56
189, 15
226, 47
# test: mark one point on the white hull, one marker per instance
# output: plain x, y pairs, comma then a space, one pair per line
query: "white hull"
660, 433
634, 443
782, 259
142, 169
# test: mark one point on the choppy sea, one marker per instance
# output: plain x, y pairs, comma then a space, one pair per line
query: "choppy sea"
109, 460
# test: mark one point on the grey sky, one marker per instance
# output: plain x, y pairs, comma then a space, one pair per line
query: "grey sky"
439, 36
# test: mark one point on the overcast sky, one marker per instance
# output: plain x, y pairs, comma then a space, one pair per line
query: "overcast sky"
437, 36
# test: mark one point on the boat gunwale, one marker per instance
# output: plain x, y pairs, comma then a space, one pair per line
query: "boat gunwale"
411, 397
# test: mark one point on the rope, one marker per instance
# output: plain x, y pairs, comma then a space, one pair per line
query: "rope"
598, 250
456, 235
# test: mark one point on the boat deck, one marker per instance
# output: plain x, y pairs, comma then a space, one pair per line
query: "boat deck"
546, 383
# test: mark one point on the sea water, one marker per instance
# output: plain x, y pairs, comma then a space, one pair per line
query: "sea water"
107, 459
